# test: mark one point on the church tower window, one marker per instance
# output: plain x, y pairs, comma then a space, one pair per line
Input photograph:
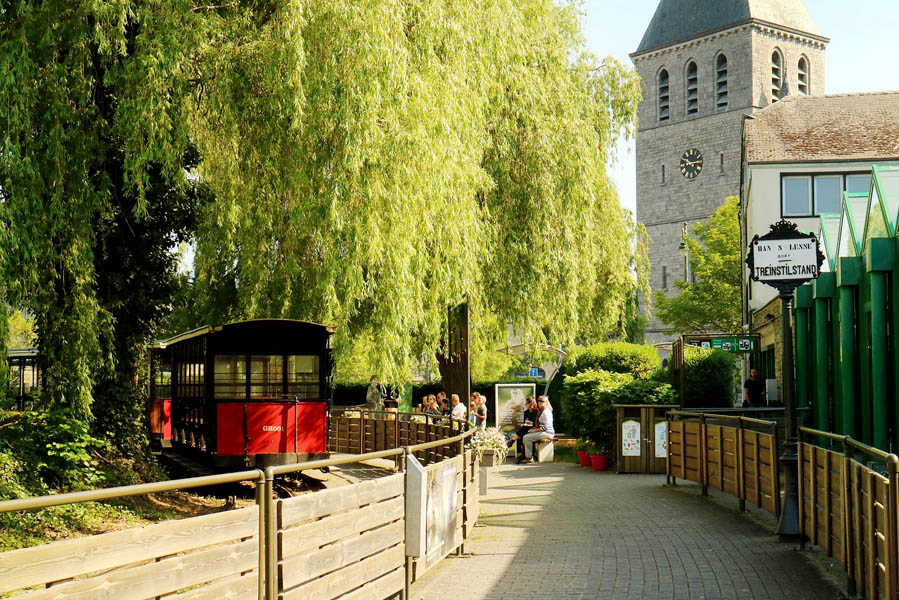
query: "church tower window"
663, 95
777, 78
802, 74
721, 82
692, 89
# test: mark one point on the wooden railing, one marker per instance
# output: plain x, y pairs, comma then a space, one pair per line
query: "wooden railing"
736, 455
359, 430
347, 542
848, 507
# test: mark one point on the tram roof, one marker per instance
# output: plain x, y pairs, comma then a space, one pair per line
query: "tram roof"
210, 329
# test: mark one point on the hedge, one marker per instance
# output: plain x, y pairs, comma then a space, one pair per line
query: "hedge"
588, 397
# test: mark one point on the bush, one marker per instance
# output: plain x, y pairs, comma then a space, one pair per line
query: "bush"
708, 378
588, 398
53, 446
639, 360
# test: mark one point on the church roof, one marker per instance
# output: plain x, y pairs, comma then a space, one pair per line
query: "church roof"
677, 21
824, 129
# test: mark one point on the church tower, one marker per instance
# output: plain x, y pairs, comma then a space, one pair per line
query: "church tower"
704, 64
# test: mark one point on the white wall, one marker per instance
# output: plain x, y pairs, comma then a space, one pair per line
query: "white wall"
763, 207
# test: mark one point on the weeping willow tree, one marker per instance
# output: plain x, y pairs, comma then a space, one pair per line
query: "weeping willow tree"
94, 188
372, 162
412, 155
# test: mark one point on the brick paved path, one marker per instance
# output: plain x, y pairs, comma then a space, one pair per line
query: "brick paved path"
557, 531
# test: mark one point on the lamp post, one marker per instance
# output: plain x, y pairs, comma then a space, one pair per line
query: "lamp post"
784, 258
685, 252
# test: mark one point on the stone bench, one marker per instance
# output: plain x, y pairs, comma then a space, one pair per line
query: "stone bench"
544, 451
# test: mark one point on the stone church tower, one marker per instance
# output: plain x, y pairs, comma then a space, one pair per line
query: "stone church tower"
704, 64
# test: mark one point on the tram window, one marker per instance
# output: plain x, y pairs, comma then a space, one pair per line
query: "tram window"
303, 377
230, 376
163, 380
265, 376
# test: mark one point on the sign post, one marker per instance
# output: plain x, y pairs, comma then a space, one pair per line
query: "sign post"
785, 258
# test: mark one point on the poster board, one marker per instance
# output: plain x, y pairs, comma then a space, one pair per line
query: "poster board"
508, 402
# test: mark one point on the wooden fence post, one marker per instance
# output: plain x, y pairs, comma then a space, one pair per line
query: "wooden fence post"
891, 528
703, 456
848, 519
668, 448
741, 468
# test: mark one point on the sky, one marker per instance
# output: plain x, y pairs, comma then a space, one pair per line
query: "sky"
860, 56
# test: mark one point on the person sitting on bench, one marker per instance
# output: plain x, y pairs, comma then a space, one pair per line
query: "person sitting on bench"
529, 419
543, 431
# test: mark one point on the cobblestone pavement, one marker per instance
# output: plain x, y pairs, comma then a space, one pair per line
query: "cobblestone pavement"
558, 531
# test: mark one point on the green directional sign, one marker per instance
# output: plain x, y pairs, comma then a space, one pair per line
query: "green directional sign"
737, 344
734, 344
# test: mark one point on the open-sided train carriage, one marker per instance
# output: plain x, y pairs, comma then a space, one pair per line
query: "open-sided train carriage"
248, 393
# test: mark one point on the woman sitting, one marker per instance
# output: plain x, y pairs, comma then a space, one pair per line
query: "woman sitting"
543, 431
529, 419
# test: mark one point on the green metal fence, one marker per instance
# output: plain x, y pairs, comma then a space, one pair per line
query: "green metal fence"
847, 346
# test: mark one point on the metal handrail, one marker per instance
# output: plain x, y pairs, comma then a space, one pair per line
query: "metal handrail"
129, 490
696, 415
850, 442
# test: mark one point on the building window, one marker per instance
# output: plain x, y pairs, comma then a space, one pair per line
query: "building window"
810, 195
692, 89
663, 95
777, 79
664, 278
858, 184
663, 174
722, 162
802, 74
721, 82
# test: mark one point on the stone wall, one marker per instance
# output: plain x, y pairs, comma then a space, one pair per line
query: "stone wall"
666, 202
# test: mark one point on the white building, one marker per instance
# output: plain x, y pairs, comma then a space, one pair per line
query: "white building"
800, 155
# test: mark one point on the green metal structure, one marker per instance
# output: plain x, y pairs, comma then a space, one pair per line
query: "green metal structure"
847, 346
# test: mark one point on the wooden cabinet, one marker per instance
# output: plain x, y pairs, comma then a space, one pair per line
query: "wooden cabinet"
642, 437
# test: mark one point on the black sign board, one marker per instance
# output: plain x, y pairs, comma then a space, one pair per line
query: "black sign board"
784, 258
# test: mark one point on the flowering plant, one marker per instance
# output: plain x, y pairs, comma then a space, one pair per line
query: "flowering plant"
490, 439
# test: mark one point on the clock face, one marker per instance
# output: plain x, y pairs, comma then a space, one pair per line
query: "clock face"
691, 163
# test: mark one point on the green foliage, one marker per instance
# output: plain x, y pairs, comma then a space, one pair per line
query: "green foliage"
53, 447
708, 378
713, 302
372, 185
640, 360
588, 398
21, 329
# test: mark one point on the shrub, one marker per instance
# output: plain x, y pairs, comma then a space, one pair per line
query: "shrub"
588, 398
708, 378
639, 360
54, 445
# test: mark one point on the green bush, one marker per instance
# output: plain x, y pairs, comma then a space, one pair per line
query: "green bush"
588, 397
53, 447
639, 360
708, 378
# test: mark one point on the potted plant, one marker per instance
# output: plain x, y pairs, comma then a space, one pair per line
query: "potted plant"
583, 447
490, 446
599, 461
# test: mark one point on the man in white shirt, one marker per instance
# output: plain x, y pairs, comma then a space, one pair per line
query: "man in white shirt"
458, 408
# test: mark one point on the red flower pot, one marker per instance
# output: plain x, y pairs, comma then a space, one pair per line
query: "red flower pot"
599, 461
583, 458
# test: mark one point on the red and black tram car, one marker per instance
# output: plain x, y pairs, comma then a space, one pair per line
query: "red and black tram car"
248, 393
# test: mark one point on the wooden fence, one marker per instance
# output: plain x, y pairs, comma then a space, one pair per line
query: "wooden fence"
848, 507
347, 542
736, 455
381, 430
213, 556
